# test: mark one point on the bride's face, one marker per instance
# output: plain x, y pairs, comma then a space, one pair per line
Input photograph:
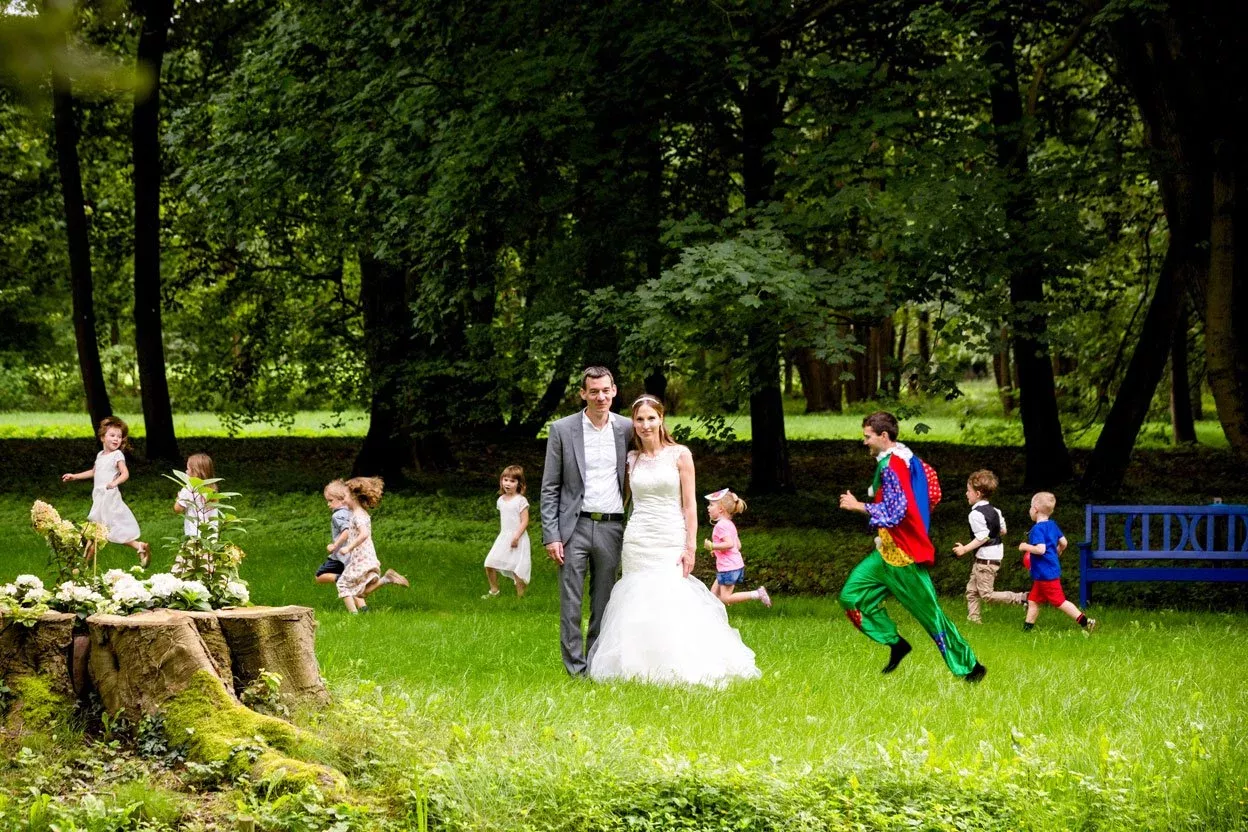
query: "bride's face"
647, 424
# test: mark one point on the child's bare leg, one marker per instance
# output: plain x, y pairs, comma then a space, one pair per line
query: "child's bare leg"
326, 578
491, 577
732, 597
349, 602
391, 577
521, 586
1033, 612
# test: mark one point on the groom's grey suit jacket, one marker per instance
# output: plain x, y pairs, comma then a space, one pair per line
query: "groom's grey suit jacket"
563, 477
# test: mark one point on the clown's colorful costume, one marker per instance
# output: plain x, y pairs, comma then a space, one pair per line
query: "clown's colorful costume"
903, 552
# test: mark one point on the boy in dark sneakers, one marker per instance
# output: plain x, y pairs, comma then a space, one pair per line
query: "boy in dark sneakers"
1044, 543
987, 528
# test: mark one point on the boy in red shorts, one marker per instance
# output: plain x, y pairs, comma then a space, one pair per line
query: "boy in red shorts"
1044, 543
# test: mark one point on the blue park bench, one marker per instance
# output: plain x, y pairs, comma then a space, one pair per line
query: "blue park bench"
1175, 533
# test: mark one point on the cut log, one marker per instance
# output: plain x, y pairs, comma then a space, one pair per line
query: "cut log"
43, 649
138, 662
280, 640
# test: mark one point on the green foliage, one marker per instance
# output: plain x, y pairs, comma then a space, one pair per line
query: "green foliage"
263, 695
209, 556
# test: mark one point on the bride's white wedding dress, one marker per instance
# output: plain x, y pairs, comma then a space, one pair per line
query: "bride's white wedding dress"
659, 625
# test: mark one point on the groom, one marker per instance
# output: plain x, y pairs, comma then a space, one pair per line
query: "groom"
583, 510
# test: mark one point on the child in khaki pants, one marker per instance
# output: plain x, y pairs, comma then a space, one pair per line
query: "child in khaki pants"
987, 527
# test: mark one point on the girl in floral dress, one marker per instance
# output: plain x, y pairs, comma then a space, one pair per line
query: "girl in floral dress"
362, 573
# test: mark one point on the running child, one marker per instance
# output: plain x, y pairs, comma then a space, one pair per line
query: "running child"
510, 555
721, 507
360, 577
1044, 543
108, 473
195, 508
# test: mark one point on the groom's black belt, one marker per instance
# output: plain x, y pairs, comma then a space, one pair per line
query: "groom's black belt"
602, 515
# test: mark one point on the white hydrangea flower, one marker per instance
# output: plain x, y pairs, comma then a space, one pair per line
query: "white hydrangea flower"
128, 592
195, 587
162, 585
36, 596
112, 576
72, 593
238, 591
8, 590
28, 582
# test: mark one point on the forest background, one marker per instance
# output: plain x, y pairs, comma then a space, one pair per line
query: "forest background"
440, 212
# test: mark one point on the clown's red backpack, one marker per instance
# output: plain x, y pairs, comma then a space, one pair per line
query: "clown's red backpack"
926, 487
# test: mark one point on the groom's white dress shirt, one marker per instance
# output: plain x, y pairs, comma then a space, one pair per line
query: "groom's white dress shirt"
602, 490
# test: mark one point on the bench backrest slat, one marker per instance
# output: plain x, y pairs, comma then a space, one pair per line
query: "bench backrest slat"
1203, 535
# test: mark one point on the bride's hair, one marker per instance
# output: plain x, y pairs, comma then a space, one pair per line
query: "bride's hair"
665, 438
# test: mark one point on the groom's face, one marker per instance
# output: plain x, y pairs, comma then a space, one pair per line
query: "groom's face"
598, 394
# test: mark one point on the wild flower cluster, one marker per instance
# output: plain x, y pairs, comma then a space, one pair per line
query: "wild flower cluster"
204, 575
71, 543
116, 592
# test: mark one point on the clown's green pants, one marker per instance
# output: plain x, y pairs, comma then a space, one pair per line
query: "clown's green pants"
873, 580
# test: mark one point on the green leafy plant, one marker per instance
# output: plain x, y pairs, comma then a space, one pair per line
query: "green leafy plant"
210, 557
263, 694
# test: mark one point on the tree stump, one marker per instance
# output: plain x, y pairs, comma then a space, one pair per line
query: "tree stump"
138, 662
40, 650
277, 639
210, 631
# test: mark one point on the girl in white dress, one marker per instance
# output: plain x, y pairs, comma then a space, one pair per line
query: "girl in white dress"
109, 472
193, 506
662, 625
510, 554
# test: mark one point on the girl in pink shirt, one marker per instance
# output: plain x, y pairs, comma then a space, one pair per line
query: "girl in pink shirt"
722, 506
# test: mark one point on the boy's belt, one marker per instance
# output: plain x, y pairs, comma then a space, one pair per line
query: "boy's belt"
601, 516
985, 560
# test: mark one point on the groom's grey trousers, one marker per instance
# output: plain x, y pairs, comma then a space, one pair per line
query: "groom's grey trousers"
594, 550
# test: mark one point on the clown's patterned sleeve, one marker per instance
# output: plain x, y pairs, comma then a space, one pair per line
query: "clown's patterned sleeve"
891, 509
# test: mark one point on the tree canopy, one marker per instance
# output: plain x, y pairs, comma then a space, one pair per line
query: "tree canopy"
442, 211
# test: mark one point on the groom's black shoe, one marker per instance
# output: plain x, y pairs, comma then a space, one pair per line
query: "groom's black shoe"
977, 672
896, 652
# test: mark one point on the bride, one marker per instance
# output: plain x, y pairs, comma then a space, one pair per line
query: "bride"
662, 624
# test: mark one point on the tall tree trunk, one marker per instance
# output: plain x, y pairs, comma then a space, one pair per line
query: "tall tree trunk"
1226, 334
1182, 425
1002, 370
820, 381
148, 338
1160, 56
762, 113
1047, 459
925, 343
82, 290
388, 447
1108, 463
900, 351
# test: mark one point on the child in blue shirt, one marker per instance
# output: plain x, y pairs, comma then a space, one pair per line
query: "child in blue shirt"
1044, 543
340, 519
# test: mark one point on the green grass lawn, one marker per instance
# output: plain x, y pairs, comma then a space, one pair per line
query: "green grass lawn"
459, 706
